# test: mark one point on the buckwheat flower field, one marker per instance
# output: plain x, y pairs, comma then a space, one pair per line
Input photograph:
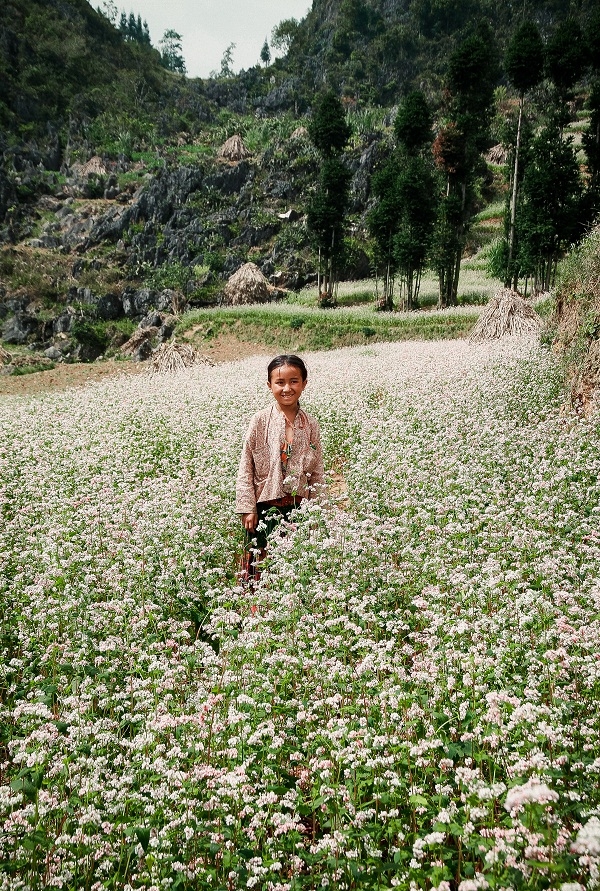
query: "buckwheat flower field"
409, 697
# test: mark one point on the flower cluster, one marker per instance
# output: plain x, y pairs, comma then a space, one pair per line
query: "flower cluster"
407, 697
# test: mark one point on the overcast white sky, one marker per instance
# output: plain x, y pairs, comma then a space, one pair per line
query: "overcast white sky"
208, 27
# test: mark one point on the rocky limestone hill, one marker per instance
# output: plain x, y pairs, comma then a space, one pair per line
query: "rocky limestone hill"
109, 244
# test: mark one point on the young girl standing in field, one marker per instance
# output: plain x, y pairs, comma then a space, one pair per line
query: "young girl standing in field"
282, 459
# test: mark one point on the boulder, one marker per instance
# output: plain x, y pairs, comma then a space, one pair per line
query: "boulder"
230, 180
86, 352
109, 307
137, 304
289, 216
152, 320
21, 328
62, 323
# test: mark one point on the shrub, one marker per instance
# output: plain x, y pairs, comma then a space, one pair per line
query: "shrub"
91, 334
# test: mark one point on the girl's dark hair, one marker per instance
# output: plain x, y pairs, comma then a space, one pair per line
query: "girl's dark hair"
295, 361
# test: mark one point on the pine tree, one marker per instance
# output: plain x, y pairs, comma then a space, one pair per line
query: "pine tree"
470, 82
265, 53
327, 209
566, 56
547, 217
404, 215
524, 63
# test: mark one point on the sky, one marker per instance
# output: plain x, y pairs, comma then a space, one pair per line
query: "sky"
207, 27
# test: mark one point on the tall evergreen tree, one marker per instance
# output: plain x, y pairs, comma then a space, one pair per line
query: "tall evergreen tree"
265, 53
566, 56
326, 217
547, 217
591, 139
471, 77
403, 218
524, 64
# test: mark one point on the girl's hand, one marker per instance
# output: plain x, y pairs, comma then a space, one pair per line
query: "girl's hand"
250, 521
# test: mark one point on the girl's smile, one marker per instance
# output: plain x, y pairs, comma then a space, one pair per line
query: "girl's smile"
287, 386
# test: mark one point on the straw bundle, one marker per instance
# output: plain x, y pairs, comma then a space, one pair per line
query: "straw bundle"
497, 155
247, 285
506, 313
233, 150
94, 167
174, 356
139, 336
300, 133
5, 358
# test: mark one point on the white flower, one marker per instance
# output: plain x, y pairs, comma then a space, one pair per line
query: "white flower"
531, 792
588, 839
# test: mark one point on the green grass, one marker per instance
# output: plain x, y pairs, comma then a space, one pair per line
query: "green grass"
299, 324
491, 212
296, 327
33, 368
475, 288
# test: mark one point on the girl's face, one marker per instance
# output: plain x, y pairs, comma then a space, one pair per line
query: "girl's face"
287, 386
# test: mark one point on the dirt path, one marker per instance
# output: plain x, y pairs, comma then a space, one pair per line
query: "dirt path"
62, 376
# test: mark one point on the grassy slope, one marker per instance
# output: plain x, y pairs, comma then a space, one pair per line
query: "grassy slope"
577, 319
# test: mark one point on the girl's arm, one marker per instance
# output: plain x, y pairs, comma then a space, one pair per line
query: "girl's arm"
245, 497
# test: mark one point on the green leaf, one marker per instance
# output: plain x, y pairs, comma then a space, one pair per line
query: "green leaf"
143, 836
36, 839
22, 784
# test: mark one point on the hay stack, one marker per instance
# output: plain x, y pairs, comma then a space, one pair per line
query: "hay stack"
94, 167
174, 356
233, 150
247, 285
506, 313
300, 133
497, 155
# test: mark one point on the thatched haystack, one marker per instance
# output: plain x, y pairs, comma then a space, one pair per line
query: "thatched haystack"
247, 285
94, 167
506, 313
174, 356
497, 155
233, 150
299, 133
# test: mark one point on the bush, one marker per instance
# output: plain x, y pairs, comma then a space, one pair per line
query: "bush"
90, 334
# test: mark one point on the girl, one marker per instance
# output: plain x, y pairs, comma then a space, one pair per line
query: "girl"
282, 459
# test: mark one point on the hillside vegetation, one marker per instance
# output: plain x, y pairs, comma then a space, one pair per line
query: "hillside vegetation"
577, 320
115, 204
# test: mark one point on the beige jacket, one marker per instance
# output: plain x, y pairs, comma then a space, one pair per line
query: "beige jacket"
260, 475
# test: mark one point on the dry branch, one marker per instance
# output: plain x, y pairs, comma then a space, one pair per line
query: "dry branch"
139, 336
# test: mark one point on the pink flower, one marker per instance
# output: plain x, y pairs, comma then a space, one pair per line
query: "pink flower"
531, 792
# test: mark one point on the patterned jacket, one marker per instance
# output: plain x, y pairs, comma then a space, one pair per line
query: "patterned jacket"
261, 474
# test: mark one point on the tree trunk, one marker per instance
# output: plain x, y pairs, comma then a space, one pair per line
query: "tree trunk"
513, 200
